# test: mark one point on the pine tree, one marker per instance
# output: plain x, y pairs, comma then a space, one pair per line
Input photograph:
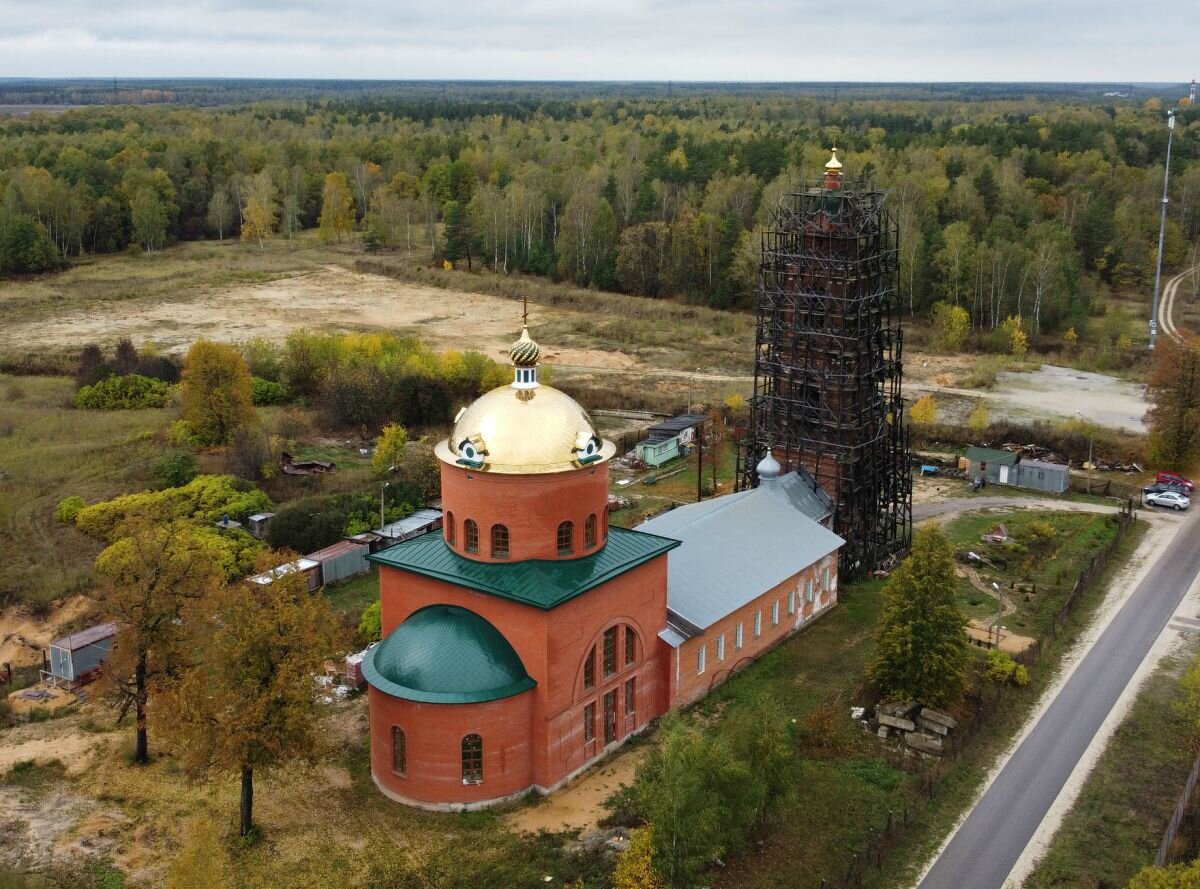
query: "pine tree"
458, 231
923, 651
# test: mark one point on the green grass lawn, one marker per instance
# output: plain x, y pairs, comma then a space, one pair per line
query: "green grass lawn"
1117, 823
48, 451
350, 597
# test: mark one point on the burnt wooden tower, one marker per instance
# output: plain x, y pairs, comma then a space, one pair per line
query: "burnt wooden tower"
828, 362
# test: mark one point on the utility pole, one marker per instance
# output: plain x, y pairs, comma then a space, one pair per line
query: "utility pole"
1162, 227
382, 492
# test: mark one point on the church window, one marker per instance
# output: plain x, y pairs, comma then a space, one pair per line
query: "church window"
610, 651
589, 722
472, 759
630, 646
450, 528
589, 669
630, 696
399, 751
566, 533
589, 531
471, 536
499, 542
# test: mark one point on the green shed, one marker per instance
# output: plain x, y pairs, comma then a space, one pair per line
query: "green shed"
658, 452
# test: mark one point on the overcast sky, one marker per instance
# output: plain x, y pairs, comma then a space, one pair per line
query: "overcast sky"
873, 40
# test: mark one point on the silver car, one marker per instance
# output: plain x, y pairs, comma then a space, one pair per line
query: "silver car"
1168, 498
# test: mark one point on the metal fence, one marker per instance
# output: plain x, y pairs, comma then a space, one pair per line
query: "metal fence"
882, 840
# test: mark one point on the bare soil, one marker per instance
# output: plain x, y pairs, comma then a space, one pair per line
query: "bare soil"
579, 804
23, 636
328, 298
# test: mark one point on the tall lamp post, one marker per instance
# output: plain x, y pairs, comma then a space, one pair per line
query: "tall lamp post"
382, 492
1091, 443
1162, 227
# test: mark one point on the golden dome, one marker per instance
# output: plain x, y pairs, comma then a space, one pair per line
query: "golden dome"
833, 163
524, 352
524, 432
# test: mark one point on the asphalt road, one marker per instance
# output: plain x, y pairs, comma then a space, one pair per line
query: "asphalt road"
987, 845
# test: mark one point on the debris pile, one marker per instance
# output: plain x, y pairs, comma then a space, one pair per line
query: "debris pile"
920, 728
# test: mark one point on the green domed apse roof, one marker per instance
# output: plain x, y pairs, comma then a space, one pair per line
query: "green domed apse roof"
445, 654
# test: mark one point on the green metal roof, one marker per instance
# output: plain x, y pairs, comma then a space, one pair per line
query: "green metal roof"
991, 455
542, 583
445, 654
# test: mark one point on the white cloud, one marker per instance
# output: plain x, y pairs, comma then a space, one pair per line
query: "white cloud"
774, 40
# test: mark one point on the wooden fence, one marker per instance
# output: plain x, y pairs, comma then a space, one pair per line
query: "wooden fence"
1165, 852
882, 840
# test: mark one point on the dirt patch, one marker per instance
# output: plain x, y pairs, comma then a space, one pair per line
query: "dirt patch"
23, 636
37, 826
578, 805
50, 699
37, 743
330, 298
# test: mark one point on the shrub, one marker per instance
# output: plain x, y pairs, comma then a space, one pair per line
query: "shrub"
182, 435
267, 392
925, 411
174, 470
68, 509
205, 498
370, 626
128, 392
951, 325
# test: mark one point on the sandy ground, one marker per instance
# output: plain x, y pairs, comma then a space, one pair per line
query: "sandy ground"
332, 298
1153, 546
578, 804
43, 741
23, 636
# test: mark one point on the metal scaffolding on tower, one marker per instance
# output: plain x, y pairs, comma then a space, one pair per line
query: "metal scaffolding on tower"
829, 363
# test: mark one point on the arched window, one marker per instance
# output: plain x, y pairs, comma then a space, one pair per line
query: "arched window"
449, 523
566, 534
499, 542
471, 536
630, 646
589, 531
399, 751
472, 759
589, 669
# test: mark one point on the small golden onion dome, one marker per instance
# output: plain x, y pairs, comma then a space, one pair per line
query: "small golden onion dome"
514, 432
525, 352
833, 163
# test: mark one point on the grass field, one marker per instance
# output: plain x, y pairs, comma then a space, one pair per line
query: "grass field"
48, 451
1117, 823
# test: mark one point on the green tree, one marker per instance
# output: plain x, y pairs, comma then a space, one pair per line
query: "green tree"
389, 449
337, 209
459, 233
1174, 395
26, 248
150, 574
923, 652
951, 325
261, 211
216, 392
220, 212
370, 625
149, 217
247, 706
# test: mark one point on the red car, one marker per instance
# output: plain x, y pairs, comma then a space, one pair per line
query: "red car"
1172, 478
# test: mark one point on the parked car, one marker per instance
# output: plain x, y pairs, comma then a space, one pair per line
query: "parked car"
1163, 488
1173, 478
1169, 498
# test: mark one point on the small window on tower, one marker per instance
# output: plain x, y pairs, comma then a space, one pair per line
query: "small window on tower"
589, 531
450, 528
471, 535
472, 759
566, 534
499, 542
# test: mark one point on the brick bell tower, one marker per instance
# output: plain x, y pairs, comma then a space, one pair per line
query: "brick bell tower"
828, 362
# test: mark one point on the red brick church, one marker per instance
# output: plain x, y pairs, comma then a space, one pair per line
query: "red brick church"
528, 638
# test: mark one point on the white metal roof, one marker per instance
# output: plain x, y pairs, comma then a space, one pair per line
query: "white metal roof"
418, 520
737, 547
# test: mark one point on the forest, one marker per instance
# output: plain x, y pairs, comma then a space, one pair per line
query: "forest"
1031, 207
